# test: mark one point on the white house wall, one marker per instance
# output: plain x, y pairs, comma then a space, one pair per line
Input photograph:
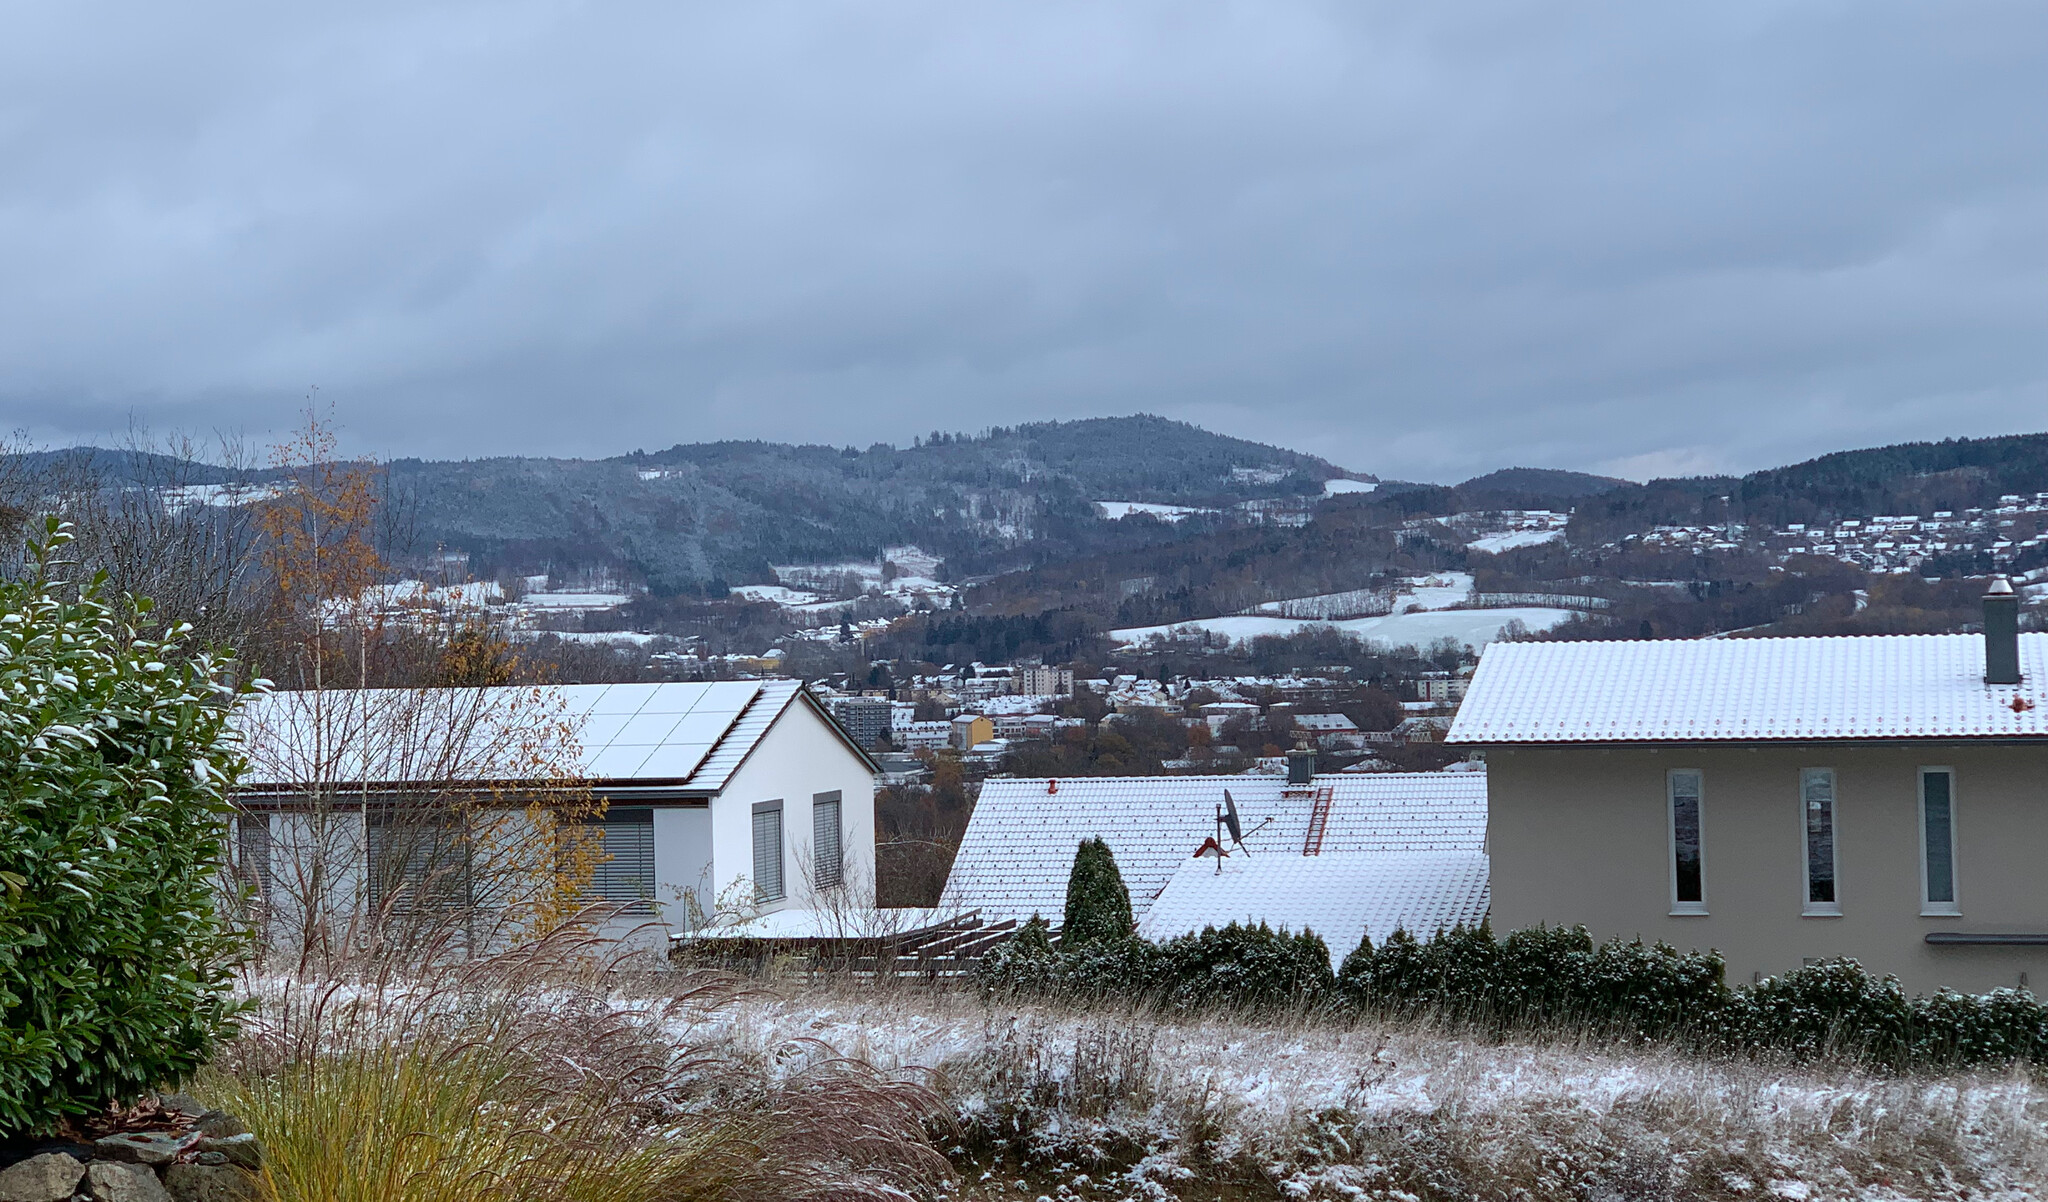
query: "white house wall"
799, 756
682, 865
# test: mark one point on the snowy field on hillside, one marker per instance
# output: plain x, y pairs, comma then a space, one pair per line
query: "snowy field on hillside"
1432, 595
1338, 488
1133, 1106
1118, 510
1497, 543
1472, 627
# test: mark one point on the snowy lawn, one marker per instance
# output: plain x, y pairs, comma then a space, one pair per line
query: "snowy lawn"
1066, 1104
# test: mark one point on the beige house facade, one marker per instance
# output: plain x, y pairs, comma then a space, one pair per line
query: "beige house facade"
1779, 800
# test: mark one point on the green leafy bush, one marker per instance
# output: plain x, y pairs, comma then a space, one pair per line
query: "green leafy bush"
114, 774
1098, 904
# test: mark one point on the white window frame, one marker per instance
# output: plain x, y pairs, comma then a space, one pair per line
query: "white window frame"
1954, 906
1678, 905
762, 894
1807, 906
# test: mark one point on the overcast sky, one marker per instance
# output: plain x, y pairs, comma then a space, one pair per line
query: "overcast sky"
1423, 240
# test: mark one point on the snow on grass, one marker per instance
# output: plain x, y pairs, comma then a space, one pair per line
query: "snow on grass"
1497, 543
1132, 1105
1337, 488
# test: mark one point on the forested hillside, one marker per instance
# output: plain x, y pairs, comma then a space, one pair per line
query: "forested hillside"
1908, 478
701, 516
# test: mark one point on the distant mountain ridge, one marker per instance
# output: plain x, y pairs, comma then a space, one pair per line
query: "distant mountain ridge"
696, 517
706, 514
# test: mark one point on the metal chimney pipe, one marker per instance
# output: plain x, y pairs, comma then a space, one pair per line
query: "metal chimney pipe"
2001, 633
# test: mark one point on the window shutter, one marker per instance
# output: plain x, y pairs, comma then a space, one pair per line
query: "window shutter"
768, 852
252, 835
627, 873
827, 860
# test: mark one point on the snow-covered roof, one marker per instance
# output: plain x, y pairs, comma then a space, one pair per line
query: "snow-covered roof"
691, 736
1019, 847
1326, 723
1902, 686
1342, 896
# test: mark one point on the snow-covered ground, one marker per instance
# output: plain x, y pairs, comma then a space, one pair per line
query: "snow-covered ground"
1472, 627
1432, 596
1135, 1106
1497, 543
774, 593
1118, 510
1337, 488
573, 602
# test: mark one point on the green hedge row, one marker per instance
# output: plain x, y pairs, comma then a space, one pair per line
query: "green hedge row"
1235, 966
1542, 977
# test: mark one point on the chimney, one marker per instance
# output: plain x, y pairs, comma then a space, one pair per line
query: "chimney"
1301, 764
2001, 633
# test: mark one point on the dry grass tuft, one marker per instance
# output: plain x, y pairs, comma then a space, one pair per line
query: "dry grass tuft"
526, 1075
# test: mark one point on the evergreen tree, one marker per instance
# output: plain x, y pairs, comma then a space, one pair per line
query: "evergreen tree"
1098, 905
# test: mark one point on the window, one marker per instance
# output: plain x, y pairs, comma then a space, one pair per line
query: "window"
826, 860
418, 863
627, 871
768, 851
1817, 802
252, 840
1938, 841
1688, 894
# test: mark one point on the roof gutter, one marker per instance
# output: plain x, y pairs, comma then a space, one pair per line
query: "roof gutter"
1987, 939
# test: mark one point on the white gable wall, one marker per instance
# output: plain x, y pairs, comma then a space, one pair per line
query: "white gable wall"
799, 756
682, 864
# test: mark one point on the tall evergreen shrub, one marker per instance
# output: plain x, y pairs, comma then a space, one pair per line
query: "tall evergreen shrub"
1098, 905
115, 764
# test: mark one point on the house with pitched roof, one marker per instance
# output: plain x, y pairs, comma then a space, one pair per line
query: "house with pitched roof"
742, 795
1783, 800
1340, 854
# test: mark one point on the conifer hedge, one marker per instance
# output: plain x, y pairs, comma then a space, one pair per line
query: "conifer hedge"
114, 771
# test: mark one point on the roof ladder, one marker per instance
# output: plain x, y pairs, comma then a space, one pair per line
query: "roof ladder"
1318, 821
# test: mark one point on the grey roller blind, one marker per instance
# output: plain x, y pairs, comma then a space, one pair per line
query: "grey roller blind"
768, 851
827, 860
252, 838
418, 863
627, 873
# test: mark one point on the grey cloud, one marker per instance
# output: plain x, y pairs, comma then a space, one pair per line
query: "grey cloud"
1421, 240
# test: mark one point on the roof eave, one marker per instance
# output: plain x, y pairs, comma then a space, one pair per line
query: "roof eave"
1792, 741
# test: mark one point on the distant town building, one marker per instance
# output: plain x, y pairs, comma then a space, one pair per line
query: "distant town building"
1441, 687
1332, 732
969, 729
1045, 682
867, 719
923, 736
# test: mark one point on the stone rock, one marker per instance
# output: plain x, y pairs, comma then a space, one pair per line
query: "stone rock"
140, 1147
210, 1158
181, 1103
116, 1182
47, 1178
219, 1124
244, 1149
210, 1183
